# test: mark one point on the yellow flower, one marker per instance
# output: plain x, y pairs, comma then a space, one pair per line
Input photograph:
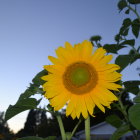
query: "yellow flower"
81, 78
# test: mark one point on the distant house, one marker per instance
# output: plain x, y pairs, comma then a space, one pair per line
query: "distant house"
102, 131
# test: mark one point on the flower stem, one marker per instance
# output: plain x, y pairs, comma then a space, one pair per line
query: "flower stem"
75, 128
126, 116
63, 134
134, 10
87, 128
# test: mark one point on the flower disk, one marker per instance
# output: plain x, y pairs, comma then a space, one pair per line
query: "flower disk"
81, 78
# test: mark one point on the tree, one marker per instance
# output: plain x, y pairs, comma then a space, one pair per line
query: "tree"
5, 133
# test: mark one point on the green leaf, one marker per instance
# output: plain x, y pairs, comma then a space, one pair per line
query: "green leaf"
132, 52
118, 38
113, 48
31, 138
135, 57
125, 33
24, 102
122, 4
134, 115
114, 120
123, 61
132, 86
32, 90
122, 30
50, 108
137, 99
95, 38
127, 22
110, 48
50, 138
123, 129
136, 27
138, 49
20, 106
128, 42
127, 11
37, 80
134, 1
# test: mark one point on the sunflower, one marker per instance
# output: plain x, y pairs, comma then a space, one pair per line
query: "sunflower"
81, 79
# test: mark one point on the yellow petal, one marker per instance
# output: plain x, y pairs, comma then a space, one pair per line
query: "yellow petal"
111, 86
84, 108
54, 60
71, 106
97, 103
73, 114
98, 55
111, 77
108, 68
54, 69
59, 101
89, 103
78, 108
87, 49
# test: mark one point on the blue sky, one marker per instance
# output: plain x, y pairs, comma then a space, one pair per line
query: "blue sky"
30, 30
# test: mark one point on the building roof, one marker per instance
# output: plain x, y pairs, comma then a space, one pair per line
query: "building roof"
101, 128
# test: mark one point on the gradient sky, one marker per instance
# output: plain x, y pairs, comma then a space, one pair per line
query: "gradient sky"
30, 30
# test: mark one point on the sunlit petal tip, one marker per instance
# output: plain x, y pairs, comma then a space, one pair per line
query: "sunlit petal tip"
102, 49
45, 66
109, 107
73, 115
86, 43
78, 116
43, 78
111, 56
67, 44
119, 87
118, 67
103, 110
85, 115
92, 115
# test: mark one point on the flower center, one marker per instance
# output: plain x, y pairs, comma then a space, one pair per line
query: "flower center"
80, 78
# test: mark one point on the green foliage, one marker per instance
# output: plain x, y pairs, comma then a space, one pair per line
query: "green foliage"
20, 106
127, 11
123, 129
122, 4
38, 138
136, 27
127, 22
134, 1
134, 111
50, 138
25, 102
114, 120
134, 115
37, 79
126, 61
113, 48
132, 86
137, 99
128, 42
31, 138
96, 38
